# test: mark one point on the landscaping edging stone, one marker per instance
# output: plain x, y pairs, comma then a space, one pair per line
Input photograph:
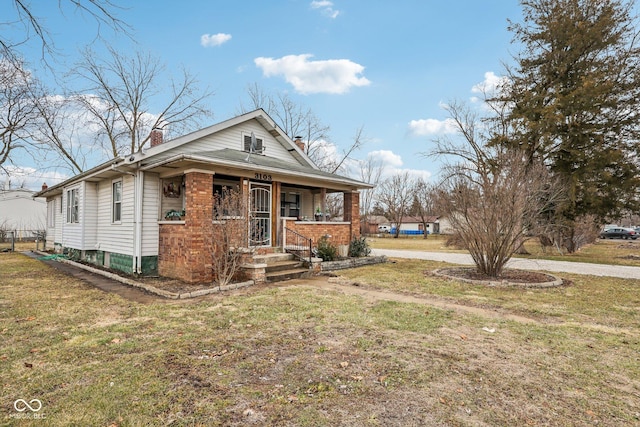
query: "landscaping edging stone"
152, 289
325, 266
555, 282
352, 262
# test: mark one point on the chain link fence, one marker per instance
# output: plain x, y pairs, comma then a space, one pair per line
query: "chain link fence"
21, 240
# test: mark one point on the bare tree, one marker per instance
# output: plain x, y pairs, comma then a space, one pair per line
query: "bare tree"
294, 119
491, 196
297, 120
423, 202
370, 172
24, 15
119, 97
17, 111
396, 195
230, 236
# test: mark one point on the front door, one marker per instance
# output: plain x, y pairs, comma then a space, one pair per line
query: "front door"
260, 214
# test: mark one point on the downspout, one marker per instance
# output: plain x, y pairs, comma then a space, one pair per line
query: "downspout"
137, 221
138, 185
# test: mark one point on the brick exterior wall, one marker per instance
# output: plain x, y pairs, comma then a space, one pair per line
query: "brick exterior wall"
340, 232
186, 248
352, 212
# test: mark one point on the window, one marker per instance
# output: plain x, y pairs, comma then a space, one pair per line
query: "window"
72, 205
259, 148
290, 205
51, 213
116, 200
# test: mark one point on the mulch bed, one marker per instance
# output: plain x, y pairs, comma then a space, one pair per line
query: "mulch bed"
507, 278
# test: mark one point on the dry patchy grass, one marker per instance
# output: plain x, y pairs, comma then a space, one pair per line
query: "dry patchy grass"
305, 356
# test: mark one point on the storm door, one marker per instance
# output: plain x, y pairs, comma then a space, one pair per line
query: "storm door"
260, 215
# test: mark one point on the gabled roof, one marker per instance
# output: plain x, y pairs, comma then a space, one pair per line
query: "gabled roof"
165, 155
260, 115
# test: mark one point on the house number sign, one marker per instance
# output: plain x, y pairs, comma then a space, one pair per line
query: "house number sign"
263, 176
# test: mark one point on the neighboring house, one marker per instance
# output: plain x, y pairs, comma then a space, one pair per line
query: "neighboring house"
414, 225
373, 223
114, 214
21, 213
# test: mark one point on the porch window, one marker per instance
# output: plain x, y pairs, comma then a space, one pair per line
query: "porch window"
227, 200
116, 201
290, 205
72, 206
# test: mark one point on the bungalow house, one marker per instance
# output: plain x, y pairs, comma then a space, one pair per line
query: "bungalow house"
152, 212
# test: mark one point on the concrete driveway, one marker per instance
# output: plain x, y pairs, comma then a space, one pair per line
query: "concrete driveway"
622, 271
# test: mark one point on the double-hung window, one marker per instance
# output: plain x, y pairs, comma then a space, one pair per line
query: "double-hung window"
73, 203
116, 200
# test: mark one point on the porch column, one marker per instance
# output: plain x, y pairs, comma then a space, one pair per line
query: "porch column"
351, 204
199, 225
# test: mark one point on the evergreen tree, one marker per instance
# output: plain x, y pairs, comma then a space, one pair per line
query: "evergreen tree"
573, 101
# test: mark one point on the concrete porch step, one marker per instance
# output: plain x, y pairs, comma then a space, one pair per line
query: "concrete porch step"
272, 258
279, 276
284, 265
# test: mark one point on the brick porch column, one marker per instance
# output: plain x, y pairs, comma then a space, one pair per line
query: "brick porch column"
198, 226
352, 212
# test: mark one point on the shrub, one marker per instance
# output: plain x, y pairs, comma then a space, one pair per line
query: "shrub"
326, 250
359, 247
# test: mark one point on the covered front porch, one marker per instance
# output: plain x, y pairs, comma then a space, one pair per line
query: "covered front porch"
279, 210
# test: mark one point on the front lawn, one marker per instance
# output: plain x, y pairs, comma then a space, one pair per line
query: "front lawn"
298, 354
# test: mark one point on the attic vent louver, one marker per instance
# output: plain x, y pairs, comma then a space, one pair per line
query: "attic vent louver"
258, 147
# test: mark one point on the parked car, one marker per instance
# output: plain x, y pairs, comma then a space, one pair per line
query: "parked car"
619, 233
384, 229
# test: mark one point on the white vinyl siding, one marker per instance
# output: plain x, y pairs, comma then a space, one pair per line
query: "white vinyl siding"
150, 208
56, 237
89, 217
232, 138
115, 237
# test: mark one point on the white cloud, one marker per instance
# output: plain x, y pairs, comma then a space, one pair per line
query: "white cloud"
326, 7
212, 40
30, 177
424, 127
387, 158
334, 76
490, 83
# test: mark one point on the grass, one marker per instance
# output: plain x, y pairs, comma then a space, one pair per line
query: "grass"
617, 252
298, 355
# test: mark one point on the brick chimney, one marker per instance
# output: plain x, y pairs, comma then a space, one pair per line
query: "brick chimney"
299, 143
44, 186
156, 137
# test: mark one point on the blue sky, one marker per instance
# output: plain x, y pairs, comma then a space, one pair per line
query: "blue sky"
386, 66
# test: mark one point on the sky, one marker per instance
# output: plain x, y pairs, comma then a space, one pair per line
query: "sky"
387, 67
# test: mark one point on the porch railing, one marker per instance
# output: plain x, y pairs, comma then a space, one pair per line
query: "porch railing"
298, 245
